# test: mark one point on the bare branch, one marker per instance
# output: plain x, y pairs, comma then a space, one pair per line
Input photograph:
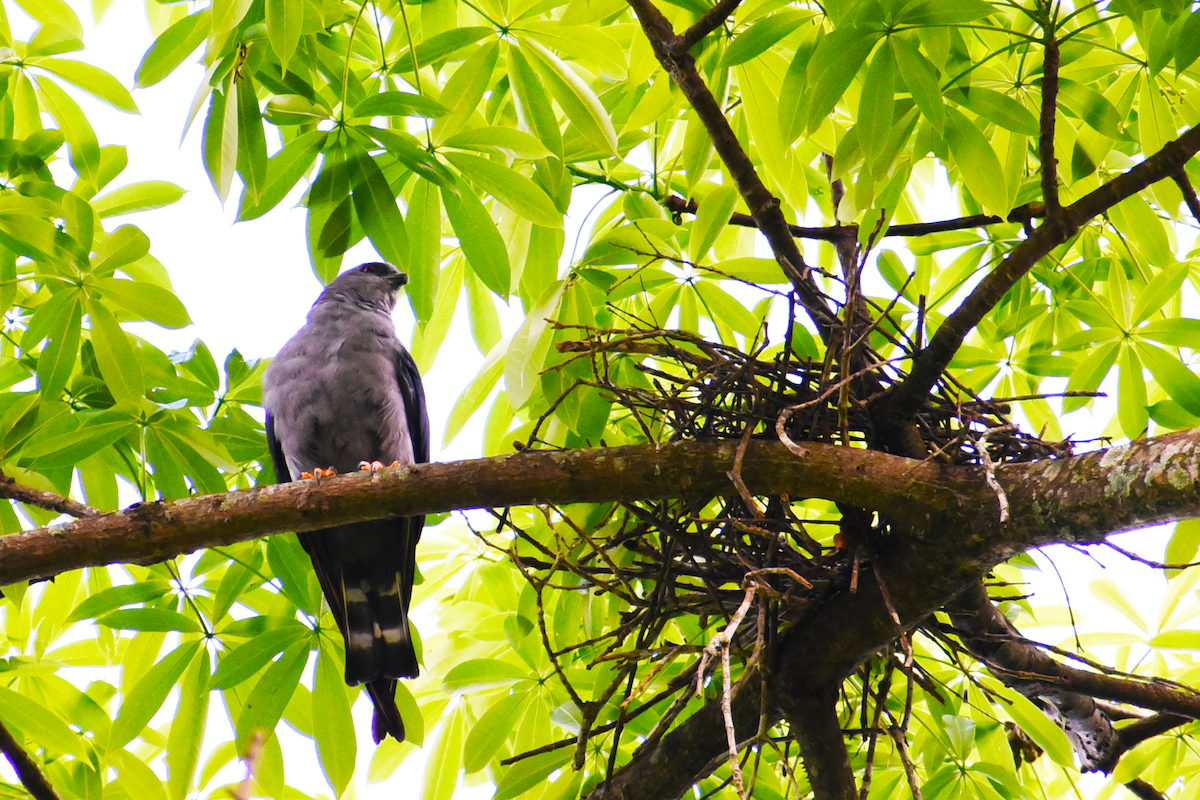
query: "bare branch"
713, 18
934, 359
12, 490
27, 771
1046, 127
764, 207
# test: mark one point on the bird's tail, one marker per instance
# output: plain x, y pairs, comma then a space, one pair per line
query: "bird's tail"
378, 640
387, 721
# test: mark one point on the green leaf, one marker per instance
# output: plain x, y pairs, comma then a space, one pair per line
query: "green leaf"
425, 244
53, 13
493, 138
528, 347
294, 109
123, 246
1180, 383
285, 24
475, 393
399, 104
408, 150
251, 139
270, 695
136, 778
1088, 376
465, 89
57, 359
529, 772
115, 355
116, 596
145, 301
246, 659
38, 723
492, 729
377, 211
763, 34
754, 270
221, 139
336, 744
187, 728
712, 218
481, 312
68, 449
1131, 395
92, 80
85, 150
150, 692
833, 66
149, 619
330, 212
1173, 332
441, 46
140, 196
921, 78
284, 170
1161, 288
1187, 47
171, 47
485, 673
533, 104
998, 108
510, 187
977, 163
445, 759
575, 97
481, 242
876, 109
1039, 727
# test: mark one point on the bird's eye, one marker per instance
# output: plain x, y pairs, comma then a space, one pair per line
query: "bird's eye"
376, 268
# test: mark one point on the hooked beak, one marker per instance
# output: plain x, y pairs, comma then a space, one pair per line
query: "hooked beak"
398, 280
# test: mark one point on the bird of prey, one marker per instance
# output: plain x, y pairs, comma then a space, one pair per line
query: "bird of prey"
344, 394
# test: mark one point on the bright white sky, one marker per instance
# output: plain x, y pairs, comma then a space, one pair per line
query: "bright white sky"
249, 286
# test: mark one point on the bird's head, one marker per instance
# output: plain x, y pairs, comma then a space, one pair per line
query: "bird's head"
373, 284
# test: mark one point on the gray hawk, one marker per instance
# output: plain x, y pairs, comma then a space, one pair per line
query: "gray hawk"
341, 392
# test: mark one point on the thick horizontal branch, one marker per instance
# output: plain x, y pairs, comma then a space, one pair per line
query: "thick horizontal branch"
150, 532
1077, 499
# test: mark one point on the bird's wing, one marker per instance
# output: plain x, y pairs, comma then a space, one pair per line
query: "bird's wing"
408, 377
282, 475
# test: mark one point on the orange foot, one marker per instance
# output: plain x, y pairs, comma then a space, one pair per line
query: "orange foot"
318, 473
375, 466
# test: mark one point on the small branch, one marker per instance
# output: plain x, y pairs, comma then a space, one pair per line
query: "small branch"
27, 772
764, 207
932, 362
1189, 192
1138, 731
838, 233
12, 490
713, 18
1143, 790
1046, 126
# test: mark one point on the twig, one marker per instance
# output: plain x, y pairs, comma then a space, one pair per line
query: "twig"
50, 501
719, 645
989, 469
914, 783
27, 772
713, 18
1046, 124
735, 475
1189, 192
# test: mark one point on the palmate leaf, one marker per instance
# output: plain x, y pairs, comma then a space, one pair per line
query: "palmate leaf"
270, 695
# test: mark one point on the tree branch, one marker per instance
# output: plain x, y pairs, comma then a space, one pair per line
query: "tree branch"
836, 233
11, 490
764, 207
933, 360
27, 771
713, 18
814, 723
1046, 126
1189, 193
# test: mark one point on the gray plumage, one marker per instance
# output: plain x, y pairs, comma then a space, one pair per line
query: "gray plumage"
343, 390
